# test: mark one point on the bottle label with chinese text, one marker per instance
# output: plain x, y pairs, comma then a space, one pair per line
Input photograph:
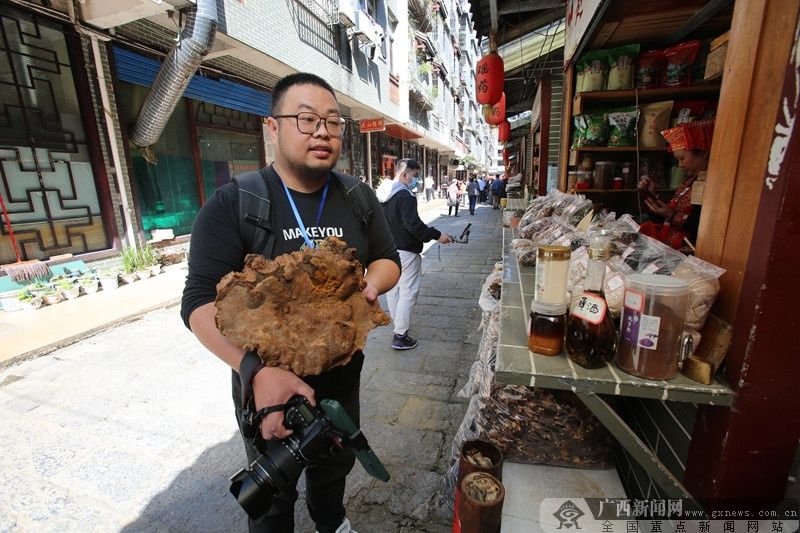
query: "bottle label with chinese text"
590, 308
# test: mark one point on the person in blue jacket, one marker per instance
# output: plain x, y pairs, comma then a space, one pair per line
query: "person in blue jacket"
409, 232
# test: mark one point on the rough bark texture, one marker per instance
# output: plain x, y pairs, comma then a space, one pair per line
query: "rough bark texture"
302, 311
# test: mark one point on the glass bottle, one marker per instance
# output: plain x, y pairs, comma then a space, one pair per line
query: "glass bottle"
591, 338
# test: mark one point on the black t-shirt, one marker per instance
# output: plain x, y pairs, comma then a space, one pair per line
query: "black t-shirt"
217, 248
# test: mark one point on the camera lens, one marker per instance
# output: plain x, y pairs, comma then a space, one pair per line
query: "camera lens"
271, 472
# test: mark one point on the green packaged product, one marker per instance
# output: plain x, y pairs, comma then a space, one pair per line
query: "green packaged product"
590, 130
578, 131
621, 61
580, 75
595, 70
622, 126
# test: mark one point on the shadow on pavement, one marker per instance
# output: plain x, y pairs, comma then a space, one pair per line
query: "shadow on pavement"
198, 498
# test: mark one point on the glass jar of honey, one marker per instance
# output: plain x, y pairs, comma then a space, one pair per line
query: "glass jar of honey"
546, 331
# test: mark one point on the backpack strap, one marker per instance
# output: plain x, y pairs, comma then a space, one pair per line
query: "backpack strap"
355, 192
254, 212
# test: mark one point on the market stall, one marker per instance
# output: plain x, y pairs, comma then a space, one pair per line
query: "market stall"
743, 52
687, 429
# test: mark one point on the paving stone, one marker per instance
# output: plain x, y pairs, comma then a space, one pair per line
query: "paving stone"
382, 406
424, 413
436, 387
399, 446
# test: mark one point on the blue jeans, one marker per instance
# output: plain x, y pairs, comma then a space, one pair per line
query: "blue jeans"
472, 200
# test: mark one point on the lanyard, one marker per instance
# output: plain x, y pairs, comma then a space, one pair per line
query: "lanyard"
309, 242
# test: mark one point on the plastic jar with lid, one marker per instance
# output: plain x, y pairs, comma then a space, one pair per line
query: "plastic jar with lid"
552, 267
546, 331
651, 328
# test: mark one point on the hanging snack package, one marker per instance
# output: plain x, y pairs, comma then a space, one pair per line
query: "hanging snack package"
679, 64
655, 119
648, 67
621, 60
622, 127
595, 75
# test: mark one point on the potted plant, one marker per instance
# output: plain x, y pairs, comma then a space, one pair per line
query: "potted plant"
150, 257
88, 284
37, 288
145, 259
52, 295
28, 300
129, 264
68, 289
109, 279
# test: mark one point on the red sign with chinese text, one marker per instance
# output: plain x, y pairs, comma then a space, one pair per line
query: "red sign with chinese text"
372, 124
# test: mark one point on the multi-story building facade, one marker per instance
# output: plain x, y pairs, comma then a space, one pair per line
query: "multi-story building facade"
76, 76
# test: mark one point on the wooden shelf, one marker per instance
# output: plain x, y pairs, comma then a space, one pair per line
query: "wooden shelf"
617, 149
628, 96
603, 191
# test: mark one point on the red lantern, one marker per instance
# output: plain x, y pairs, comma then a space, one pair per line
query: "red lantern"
495, 114
504, 132
489, 79
505, 158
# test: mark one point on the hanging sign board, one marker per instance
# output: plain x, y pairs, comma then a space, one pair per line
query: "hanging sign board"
372, 124
579, 15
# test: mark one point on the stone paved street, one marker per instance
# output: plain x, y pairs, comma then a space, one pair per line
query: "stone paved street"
132, 429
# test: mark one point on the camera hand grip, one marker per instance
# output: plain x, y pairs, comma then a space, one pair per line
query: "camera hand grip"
339, 418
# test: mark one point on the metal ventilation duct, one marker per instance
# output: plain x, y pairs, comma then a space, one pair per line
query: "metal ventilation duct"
180, 65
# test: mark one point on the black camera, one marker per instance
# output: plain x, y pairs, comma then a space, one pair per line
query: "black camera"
316, 434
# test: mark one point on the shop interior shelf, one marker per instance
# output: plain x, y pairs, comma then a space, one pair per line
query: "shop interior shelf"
628, 96
617, 149
582, 191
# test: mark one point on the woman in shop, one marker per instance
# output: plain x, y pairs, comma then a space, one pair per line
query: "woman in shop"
678, 219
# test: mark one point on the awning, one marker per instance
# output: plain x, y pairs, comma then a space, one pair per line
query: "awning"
399, 131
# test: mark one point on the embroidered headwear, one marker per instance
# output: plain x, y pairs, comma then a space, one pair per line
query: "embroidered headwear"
695, 135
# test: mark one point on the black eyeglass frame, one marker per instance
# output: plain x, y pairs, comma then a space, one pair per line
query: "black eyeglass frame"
341, 121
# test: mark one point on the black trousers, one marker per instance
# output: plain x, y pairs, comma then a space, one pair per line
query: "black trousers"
325, 483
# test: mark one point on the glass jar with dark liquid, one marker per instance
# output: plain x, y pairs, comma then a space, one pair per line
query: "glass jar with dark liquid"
546, 332
591, 338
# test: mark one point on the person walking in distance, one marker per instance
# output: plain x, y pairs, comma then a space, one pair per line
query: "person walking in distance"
429, 188
472, 192
481, 189
409, 233
307, 198
452, 197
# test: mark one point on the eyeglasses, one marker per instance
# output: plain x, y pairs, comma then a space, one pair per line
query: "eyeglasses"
309, 123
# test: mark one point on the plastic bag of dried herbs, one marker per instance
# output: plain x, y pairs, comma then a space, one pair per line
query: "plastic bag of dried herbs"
622, 126
622, 60
540, 426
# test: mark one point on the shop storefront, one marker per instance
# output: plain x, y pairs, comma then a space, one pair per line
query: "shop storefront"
52, 179
214, 133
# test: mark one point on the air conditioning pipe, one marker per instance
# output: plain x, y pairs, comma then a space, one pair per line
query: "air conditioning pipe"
196, 40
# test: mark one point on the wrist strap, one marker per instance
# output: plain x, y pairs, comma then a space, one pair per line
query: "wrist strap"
248, 367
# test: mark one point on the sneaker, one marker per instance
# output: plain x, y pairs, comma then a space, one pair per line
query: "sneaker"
403, 342
344, 527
